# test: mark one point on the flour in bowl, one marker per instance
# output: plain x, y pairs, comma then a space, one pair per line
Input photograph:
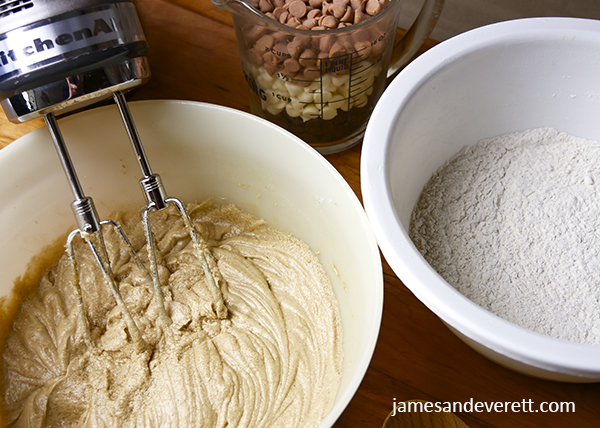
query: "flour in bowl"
513, 223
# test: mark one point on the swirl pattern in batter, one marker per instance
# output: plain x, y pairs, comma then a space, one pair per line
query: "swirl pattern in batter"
275, 361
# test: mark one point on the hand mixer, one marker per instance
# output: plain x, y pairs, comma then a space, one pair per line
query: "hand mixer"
58, 56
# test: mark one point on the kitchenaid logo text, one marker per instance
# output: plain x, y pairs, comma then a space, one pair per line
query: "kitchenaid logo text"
32, 47
39, 45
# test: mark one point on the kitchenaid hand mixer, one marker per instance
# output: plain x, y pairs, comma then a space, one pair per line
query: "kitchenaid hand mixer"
58, 56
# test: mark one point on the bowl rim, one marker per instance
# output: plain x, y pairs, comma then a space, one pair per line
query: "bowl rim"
373, 318
491, 331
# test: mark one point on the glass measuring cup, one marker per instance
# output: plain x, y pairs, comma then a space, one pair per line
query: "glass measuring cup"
322, 85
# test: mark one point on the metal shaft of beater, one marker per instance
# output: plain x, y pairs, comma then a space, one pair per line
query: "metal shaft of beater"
151, 183
86, 217
84, 210
156, 197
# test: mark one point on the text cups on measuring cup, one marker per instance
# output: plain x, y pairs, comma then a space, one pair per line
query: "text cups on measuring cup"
322, 83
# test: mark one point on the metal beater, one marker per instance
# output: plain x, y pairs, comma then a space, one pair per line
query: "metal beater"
157, 199
58, 56
90, 230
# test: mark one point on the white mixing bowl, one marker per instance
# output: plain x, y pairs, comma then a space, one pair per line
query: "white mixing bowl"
502, 78
201, 151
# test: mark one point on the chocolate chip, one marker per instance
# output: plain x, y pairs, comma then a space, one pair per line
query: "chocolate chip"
265, 6
297, 8
329, 21
373, 7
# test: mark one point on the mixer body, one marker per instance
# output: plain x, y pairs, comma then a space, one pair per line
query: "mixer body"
58, 55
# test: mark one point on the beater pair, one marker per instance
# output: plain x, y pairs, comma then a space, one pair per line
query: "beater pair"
90, 229
59, 56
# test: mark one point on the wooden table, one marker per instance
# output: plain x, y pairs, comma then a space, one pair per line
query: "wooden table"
193, 55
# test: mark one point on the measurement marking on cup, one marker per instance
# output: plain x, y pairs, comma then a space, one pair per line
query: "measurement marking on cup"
365, 68
359, 82
330, 85
356, 94
350, 79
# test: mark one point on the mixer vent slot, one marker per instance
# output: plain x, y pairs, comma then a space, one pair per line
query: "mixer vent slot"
10, 7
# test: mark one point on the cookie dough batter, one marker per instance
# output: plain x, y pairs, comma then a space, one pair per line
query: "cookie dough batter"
275, 361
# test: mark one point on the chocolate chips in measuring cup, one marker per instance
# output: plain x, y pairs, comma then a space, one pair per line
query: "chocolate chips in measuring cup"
298, 77
319, 14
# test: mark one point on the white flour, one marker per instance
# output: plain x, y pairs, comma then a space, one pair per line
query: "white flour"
513, 223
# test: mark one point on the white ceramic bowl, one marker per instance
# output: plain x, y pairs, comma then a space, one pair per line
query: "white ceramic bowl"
201, 151
506, 77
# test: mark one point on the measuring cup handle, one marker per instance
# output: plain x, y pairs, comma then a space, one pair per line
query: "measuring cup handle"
409, 44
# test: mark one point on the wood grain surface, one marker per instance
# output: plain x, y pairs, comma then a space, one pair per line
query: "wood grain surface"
193, 55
